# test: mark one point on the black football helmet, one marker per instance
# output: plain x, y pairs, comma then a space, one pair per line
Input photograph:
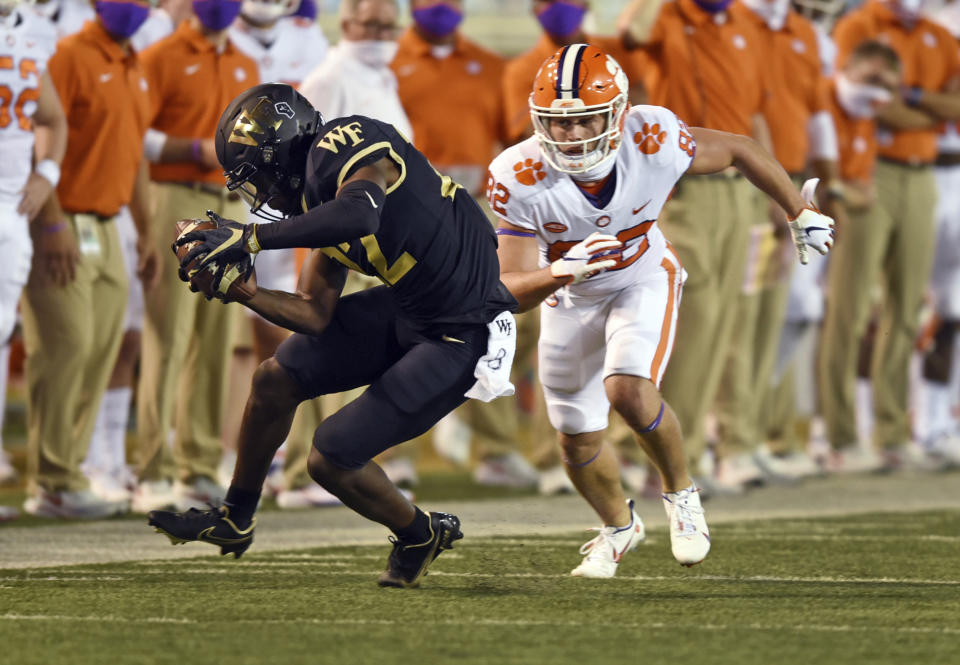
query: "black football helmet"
262, 142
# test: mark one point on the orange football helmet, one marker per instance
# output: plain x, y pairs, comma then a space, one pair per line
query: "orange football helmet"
579, 80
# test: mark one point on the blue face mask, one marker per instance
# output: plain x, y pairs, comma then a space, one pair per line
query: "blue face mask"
121, 19
562, 19
713, 7
438, 20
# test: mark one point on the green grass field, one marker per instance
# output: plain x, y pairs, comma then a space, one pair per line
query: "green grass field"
876, 588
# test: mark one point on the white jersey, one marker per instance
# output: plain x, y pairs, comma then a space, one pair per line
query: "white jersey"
527, 192
297, 47
25, 49
344, 85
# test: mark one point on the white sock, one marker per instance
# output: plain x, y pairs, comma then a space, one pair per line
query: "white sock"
4, 371
97, 461
116, 404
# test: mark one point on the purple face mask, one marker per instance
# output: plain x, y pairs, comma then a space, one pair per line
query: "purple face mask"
562, 19
438, 20
216, 14
121, 19
714, 7
307, 9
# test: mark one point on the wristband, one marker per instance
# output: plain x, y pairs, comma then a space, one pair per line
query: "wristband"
195, 153
253, 244
49, 170
912, 96
54, 228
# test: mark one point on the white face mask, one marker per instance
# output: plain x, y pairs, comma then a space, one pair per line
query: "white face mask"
858, 99
47, 9
773, 12
263, 13
371, 52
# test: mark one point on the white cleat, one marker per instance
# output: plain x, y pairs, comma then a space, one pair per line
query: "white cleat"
604, 552
200, 494
79, 504
689, 536
153, 495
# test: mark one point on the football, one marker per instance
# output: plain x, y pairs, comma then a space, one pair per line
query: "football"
232, 288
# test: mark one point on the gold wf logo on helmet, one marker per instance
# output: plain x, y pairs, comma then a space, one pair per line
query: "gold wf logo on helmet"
253, 121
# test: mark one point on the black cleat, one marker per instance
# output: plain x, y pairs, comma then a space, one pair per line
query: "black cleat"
408, 561
212, 526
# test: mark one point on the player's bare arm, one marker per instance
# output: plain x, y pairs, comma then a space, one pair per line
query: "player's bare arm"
51, 121
943, 105
310, 309
636, 22
717, 151
529, 284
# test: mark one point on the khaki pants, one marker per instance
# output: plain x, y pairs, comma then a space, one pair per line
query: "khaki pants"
187, 346
72, 335
708, 222
761, 307
890, 244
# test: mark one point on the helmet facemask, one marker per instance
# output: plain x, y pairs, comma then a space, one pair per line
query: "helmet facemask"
591, 152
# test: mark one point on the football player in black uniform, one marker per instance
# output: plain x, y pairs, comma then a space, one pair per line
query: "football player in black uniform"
369, 201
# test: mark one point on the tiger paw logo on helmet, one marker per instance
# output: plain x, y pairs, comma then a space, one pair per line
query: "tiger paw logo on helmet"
649, 139
529, 172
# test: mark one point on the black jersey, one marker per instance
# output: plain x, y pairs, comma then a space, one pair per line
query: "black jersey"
435, 248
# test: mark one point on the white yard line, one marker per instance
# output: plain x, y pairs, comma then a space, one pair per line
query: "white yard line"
471, 622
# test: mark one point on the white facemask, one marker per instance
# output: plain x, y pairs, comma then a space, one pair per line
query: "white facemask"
858, 99
47, 9
371, 52
773, 12
263, 13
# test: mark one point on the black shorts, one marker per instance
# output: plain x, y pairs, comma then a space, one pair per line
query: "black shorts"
415, 377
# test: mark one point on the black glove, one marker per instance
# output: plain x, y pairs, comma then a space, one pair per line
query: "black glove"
228, 243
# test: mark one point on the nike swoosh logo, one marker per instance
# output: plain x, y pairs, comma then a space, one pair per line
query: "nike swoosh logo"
190, 70
637, 210
447, 338
371, 199
235, 234
207, 538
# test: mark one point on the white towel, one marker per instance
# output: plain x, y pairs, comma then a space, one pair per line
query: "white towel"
493, 368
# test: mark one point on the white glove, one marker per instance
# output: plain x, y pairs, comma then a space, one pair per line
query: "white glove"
811, 228
585, 259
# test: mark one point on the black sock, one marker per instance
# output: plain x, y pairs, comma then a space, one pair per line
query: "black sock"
418, 530
242, 504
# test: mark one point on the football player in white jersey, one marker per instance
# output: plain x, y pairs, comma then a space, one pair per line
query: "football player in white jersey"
578, 208
28, 100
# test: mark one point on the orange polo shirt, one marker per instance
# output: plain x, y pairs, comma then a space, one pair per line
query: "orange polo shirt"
520, 72
454, 103
929, 60
856, 141
796, 83
192, 85
104, 93
706, 68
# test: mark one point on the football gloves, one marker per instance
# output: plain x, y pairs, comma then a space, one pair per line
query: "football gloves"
230, 242
592, 255
811, 228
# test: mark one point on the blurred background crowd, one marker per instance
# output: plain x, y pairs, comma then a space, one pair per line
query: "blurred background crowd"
123, 390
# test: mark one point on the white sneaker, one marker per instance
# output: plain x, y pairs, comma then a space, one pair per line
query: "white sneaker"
200, 494
400, 471
555, 481
790, 467
310, 496
689, 536
604, 552
82, 504
947, 448
510, 470
109, 488
8, 474
452, 438
8, 514
911, 457
153, 495
853, 459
